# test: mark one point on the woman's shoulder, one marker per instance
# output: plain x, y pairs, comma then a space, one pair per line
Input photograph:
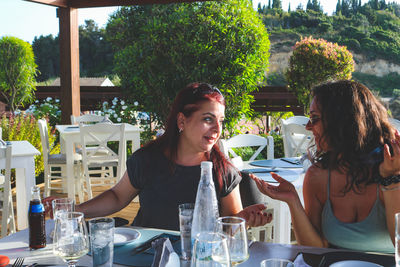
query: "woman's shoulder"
316, 177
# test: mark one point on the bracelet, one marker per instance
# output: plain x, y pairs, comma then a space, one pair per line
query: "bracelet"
385, 181
384, 188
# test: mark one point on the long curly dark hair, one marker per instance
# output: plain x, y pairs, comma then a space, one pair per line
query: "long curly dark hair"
188, 101
355, 125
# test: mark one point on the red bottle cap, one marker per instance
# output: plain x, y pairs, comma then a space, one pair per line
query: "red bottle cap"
4, 260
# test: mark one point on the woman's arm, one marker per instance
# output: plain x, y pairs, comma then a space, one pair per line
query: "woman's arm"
231, 205
110, 201
391, 193
304, 220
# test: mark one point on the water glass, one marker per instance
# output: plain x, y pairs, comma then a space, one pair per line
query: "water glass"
397, 239
71, 239
102, 241
234, 229
277, 263
65, 204
210, 249
185, 226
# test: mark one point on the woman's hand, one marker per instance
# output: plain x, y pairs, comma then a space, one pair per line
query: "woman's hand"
391, 162
255, 215
285, 191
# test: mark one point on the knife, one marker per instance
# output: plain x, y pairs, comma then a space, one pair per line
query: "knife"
145, 246
295, 162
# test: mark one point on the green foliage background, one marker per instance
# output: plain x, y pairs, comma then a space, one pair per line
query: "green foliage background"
162, 48
316, 61
24, 127
17, 72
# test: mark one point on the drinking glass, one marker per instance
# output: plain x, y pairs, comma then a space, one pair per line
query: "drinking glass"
102, 241
185, 227
397, 239
71, 239
65, 204
234, 229
277, 263
210, 249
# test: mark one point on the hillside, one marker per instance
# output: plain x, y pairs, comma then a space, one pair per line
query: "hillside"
370, 33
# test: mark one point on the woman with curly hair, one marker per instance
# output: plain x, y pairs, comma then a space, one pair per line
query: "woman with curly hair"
352, 190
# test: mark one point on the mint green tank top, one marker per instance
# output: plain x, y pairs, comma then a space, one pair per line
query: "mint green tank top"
370, 234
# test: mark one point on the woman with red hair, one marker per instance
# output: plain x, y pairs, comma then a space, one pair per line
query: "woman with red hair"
166, 172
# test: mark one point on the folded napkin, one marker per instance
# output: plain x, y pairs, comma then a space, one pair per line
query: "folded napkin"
164, 256
124, 254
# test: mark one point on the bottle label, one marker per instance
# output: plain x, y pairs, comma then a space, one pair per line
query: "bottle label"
37, 208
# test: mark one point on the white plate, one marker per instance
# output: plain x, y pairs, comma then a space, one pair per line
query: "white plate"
355, 264
123, 235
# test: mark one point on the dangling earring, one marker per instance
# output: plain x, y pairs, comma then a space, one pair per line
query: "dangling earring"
180, 130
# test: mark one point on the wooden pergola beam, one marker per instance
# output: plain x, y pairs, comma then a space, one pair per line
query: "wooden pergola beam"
105, 3
56, 3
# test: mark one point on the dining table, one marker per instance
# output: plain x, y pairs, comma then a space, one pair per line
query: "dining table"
293, 171
16, 245
23, 161
70, 137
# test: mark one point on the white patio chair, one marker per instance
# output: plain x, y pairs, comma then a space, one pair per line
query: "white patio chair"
296, 139
54, 166
247, 140
395, 123
88, 119
262, 233
7, 214
102, 168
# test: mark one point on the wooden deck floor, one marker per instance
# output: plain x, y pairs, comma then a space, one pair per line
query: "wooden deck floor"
129, 212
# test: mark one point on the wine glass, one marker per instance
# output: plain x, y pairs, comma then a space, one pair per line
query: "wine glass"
234, 229
210, 249
71, 239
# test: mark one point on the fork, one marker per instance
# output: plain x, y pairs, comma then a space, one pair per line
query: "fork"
18, 262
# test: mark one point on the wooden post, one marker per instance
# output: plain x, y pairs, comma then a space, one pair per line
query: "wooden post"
69, 63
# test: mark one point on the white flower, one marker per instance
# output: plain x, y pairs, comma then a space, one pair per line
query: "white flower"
57, 100
49, 99
124, 107
105, 103
113, 106
115, 99
119, 119
37, 101
135, 103
122, 102
115, 116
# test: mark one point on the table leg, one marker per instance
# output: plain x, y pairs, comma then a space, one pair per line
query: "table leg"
25, 180
69, 152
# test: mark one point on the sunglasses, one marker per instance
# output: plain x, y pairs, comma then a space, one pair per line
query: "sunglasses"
205, 88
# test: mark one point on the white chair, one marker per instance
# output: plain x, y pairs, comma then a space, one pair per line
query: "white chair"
54, 165
99, 167
247, 140
7, 216
88, 119
296, 139
395, 123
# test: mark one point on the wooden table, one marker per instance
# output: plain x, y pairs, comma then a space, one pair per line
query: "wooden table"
70, 135
23, 161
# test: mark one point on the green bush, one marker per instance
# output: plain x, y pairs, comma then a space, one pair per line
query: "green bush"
24, 127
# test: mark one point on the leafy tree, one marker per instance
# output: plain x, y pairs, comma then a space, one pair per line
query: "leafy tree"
315, 61
161, 48
17, 72
96, 56
47, 57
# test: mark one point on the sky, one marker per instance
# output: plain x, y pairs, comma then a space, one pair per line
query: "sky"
26, 20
